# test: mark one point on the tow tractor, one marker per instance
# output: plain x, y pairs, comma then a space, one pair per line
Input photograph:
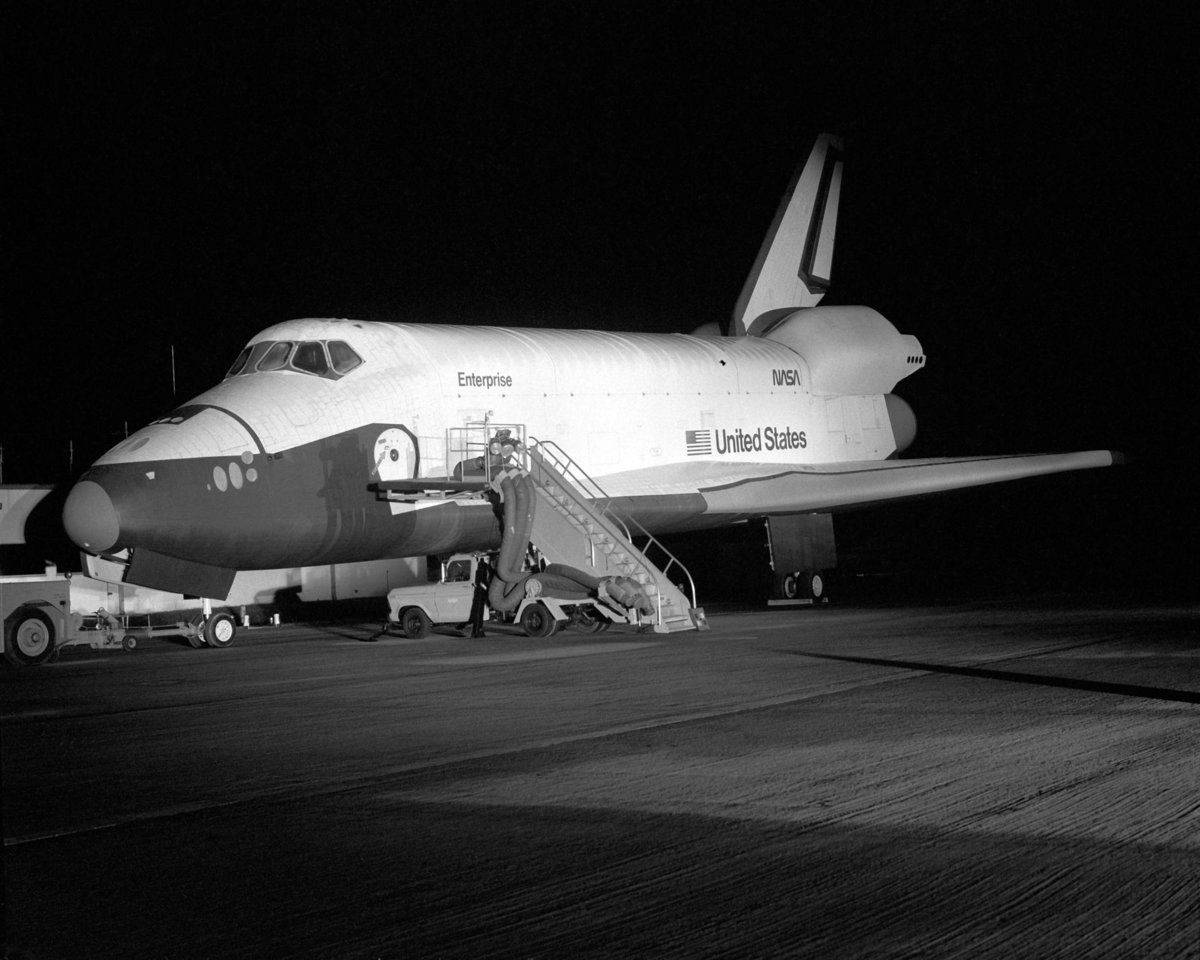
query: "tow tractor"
39, 622
414, 610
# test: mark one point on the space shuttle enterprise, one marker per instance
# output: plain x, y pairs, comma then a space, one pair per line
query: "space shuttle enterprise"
338, 441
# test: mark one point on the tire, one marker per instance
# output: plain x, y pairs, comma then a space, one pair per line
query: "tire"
30, 637
129, 642
220, 630
194, 632
589, 622
414, 623
790, 587
817, 586
537, 621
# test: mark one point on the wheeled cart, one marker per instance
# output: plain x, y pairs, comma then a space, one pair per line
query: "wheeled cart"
39, 622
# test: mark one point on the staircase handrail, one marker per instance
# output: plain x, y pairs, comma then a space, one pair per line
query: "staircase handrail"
571, 469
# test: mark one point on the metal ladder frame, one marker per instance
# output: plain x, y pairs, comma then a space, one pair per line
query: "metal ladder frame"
569, 468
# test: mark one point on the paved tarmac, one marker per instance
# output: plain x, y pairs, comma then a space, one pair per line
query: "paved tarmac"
992, 779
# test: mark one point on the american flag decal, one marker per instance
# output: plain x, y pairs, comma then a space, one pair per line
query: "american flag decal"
699, 442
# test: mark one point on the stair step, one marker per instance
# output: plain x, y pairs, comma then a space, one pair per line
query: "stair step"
675, 626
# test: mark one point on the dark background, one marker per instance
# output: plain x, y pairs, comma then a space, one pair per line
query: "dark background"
1018, 194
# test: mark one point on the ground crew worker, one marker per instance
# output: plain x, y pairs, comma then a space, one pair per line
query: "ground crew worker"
483, 580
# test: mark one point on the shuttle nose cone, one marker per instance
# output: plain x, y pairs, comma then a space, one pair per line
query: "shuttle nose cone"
90, 519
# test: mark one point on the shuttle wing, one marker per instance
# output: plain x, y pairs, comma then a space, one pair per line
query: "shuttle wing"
766, 488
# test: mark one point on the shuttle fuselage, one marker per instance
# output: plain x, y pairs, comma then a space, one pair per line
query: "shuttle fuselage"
273, 467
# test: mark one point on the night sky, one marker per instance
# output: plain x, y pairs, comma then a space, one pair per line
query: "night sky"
1018, 194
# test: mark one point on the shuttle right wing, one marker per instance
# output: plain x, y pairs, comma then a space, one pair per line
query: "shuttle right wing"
757, 489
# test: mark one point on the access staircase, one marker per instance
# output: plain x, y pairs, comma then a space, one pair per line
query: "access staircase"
574, 526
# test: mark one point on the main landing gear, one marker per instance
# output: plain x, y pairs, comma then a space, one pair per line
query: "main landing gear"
803, 586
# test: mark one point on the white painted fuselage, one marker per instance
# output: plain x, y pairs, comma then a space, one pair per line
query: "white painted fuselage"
616, 402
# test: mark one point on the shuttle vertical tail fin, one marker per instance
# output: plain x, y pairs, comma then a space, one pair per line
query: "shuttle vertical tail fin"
796, 258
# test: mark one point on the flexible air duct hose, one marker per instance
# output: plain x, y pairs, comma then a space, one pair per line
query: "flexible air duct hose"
562, 588
511, 550
505, 596
624, 590
584, 579
629, 593
511, 583
507, 589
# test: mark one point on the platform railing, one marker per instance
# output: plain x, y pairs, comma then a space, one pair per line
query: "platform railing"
473, 440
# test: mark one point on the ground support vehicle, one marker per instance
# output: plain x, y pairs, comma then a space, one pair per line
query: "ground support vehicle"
37, 617
39, 622
414, 610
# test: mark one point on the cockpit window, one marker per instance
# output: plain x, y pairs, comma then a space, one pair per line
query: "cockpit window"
330, 360
310, 358
276, 358
247, 361
240, 363
343, 357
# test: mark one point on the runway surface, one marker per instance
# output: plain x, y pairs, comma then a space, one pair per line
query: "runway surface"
970, 780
